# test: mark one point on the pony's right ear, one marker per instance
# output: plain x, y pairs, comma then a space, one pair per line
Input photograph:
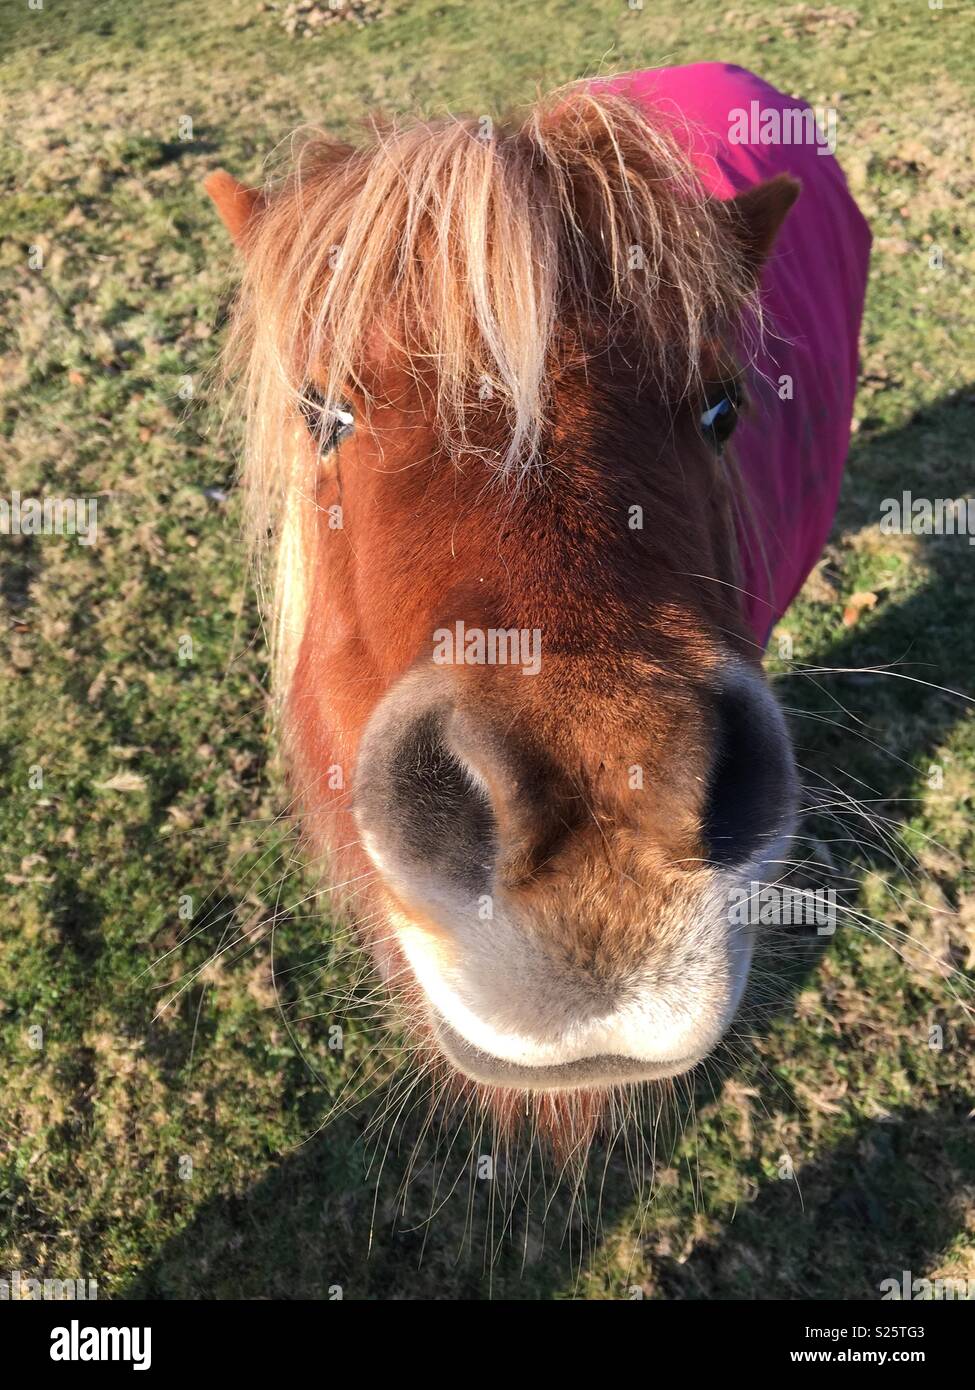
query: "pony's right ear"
236, 204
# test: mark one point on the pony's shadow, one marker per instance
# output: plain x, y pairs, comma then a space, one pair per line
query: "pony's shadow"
885, 1200
884, 1197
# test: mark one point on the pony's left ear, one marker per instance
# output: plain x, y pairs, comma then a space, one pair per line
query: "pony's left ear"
236, 204
758, 216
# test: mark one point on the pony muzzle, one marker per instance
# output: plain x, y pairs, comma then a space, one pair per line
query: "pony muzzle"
552, 952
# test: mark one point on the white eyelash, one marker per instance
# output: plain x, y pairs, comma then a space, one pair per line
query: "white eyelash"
709, 416
332, 425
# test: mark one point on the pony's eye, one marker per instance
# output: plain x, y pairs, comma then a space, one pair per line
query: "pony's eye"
720, 415
327, 424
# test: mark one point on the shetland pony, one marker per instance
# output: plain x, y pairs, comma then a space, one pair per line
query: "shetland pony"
525, 564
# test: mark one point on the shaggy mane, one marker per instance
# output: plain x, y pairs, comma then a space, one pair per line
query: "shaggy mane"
466, 247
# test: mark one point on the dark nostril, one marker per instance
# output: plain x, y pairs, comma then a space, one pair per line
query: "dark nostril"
423, 808
753, 787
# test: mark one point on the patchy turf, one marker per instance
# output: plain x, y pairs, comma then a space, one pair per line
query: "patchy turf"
830, 1147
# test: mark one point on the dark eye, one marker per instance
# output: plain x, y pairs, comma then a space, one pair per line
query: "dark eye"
327, 424
720, 413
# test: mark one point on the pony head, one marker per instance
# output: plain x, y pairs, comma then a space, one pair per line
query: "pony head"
488, 374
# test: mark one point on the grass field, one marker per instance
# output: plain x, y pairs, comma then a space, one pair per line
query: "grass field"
187, 1154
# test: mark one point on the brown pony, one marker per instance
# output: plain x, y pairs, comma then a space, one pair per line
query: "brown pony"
524, 712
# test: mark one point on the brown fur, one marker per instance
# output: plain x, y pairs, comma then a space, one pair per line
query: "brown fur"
430, 530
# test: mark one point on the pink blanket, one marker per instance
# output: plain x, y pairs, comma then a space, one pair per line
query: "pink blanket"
792, 444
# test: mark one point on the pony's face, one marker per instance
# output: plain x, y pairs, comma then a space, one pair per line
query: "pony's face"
526, 716
562, 754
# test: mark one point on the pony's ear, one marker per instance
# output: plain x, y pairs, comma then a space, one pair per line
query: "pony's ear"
236, 204
758, 216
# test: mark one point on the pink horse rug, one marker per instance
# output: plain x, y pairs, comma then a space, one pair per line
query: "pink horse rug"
792, 442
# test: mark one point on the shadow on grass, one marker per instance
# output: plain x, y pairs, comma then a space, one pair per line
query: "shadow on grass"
881, 1200
886, 1199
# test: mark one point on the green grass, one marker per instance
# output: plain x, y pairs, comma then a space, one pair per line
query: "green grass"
157, 783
